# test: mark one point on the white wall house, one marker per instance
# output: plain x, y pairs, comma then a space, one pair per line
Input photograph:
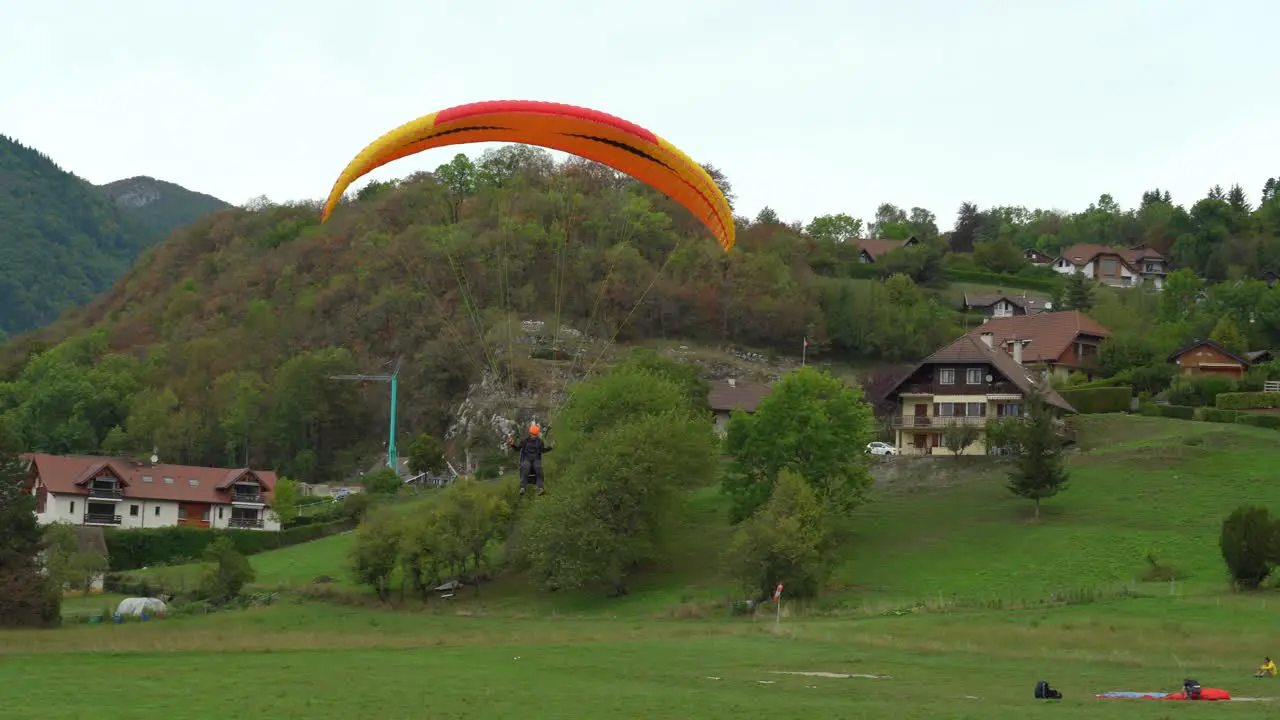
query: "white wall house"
112, 492
1114, 267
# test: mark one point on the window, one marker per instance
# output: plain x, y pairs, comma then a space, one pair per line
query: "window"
973, 376
947, 376
146, 478
193, 482
157, 511
1109, 266
133, 511
73, 506
943, 409
977, 409
219, 513
168, 481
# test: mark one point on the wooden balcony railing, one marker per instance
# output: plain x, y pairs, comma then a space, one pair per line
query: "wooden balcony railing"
939, 422
99, 493
245, 497
245, 523
101, 519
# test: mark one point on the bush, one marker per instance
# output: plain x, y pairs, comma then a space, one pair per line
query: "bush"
1149, 409
1264, 421
1250, 544
1247, 401
134, 549
1181, 412
229, 573
1219, 416
1099, 399
1200, 390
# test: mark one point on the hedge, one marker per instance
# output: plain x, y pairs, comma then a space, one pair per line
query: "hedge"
1099, 399
1218, 415
989, 278
1247, 401
134, 549
1181, 412
1265, 421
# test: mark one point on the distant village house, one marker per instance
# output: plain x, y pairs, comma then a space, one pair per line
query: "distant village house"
1002, 304
1206, 357
732, 394
115, 492
1113, 266
874, 249
1049, 343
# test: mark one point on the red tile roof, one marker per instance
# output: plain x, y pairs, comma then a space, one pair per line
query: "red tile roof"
71, 474
878, 247
741, 395
1082, 253
1050, 334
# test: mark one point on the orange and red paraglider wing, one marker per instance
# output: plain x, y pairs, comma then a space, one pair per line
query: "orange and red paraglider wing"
594, 135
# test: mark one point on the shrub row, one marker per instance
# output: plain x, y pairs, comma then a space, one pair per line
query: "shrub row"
985, 277
1219, 416
134, 549
1179, 412
1247, 401
1099, 399
1265, 421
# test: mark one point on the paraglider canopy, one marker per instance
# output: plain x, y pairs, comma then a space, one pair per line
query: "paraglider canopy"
591, 134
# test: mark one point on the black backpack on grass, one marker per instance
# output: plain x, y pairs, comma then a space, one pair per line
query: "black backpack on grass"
1044, 692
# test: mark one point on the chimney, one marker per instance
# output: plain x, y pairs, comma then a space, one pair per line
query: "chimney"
989, 339
1017, 351
733, 382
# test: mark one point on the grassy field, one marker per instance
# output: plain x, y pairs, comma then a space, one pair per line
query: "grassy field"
947, 588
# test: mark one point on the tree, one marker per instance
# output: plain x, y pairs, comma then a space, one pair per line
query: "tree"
1039, 471
66, 563
284, 500
375, 553
229, 572
786, 542
383, 481
1250, 545
999, 255
426, 455
958, 435
838, 228
27, 597
1227, 334
965, 235
811, 424
1079, 294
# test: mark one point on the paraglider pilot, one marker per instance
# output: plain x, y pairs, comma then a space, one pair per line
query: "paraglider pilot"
531, 449
1268, 669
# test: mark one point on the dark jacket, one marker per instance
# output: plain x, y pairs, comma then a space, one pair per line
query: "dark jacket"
531, 448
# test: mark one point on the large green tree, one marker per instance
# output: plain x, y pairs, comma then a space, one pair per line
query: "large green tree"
811, 424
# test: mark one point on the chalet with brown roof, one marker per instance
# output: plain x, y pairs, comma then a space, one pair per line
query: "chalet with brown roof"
1206, 357
1051, 343
1002, 304
874, 249
969, 382
1114, 266
732, 394
115, 492
1035, 257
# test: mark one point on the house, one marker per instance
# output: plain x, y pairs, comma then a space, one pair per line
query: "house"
1113, 266
874, 249
1052, 343
971, 381
732, 394
1002, 304
1259, 356
116, 492
1035, 257
1206, 357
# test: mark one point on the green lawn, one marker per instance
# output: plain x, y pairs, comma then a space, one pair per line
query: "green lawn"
947, 586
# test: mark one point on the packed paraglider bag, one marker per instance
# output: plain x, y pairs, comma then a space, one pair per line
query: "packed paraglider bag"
1045, 692
1192, 689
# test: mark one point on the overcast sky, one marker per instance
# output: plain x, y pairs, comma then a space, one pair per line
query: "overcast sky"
808, 107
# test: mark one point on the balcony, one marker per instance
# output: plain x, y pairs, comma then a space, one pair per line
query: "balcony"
101, 519
245, 523
940, 422
192, 522
980, 390
110, 494
247, 498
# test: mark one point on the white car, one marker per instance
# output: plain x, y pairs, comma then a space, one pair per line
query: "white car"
881, 448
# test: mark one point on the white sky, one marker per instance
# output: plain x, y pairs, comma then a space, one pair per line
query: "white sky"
809, 107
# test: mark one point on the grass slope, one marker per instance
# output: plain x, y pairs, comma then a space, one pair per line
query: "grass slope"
944, 532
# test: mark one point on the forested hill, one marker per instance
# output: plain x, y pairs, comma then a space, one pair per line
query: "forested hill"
227, 333
62, 240
161, 206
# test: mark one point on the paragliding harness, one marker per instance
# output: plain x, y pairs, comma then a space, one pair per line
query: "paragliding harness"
531, 450
1044, 692
1192, 689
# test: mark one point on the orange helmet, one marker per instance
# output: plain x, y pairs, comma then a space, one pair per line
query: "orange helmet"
534, 429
